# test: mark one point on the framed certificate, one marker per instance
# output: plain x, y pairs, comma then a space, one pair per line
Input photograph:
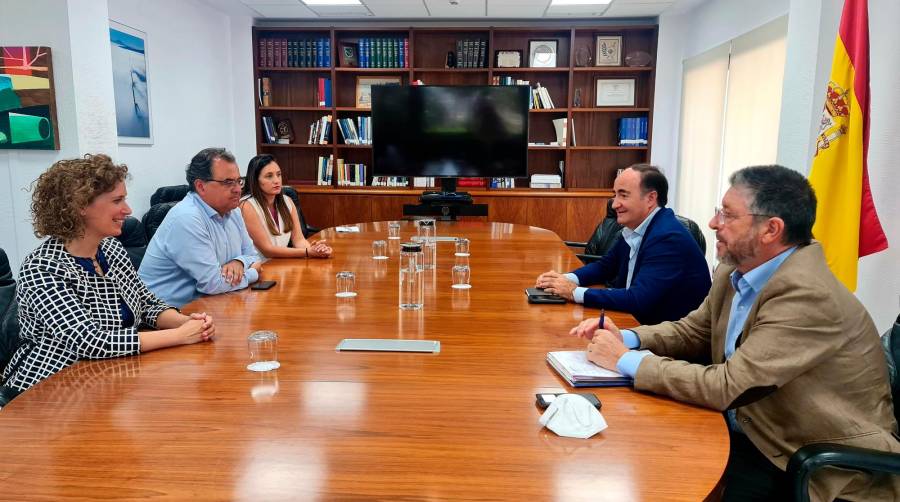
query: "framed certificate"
364, 88
615, 92
609, 51
508, 59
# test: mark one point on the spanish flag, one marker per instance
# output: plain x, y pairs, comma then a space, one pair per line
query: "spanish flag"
846, 222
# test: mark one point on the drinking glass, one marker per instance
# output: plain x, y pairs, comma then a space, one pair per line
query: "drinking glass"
393, 230
346, 284
379, 250
462, 246
426, 229
263, 346
461, 276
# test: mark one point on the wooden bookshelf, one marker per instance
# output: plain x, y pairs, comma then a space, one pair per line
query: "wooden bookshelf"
590, 166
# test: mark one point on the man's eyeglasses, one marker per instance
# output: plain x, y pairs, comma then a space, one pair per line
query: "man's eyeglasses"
230, 182
724, 217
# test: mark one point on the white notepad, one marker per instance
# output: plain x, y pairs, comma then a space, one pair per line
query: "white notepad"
574, 366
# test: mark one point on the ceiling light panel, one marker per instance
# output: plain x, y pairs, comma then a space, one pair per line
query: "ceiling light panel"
516, 8
331, 2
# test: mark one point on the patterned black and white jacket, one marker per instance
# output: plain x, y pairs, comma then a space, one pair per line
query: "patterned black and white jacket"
67, 314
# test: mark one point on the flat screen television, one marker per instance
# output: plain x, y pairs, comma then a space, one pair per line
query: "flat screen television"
450, 131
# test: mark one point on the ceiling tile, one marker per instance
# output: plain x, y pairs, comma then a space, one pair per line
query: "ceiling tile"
576, 10
397, 8
636, 9
465, 8
251, 3
516, 8
284, 11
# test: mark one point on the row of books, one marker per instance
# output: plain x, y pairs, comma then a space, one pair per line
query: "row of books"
270, 133
283, 53
320, 131
503, 183
390, 181
324, 170
384, 53
471, 53
350, 175
359, 133
323, 92
540, 98
633, 131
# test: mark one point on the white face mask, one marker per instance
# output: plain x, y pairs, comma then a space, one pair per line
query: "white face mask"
573, 416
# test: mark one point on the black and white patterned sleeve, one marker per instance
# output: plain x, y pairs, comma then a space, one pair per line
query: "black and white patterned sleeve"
47, 294
150, 305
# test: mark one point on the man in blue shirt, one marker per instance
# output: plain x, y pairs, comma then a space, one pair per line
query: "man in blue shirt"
655, 270
202, 246
795, 356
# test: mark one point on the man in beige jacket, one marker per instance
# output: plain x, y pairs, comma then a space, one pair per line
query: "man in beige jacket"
795, 356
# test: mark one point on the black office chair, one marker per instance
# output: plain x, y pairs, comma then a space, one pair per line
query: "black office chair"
805, 461
172, 193
9, 319
295, 197
155, 216
694, 230
604, 237
134, 240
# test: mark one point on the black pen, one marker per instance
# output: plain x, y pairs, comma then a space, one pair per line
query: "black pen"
602, 318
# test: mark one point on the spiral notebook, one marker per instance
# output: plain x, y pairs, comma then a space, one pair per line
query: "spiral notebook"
573, 365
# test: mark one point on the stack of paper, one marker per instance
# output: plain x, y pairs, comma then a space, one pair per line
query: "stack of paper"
573, 365
546, 181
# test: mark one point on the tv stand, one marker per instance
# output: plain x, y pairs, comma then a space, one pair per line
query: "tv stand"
446, 204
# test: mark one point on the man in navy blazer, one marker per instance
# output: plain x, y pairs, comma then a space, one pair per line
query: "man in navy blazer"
657, 270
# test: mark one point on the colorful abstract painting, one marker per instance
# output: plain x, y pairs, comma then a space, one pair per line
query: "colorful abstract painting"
129, 65
27, 99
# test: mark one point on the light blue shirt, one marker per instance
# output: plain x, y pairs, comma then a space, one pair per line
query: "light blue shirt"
633, 238
747, 287
187, 252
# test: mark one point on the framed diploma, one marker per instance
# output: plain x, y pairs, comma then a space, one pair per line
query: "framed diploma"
615, 92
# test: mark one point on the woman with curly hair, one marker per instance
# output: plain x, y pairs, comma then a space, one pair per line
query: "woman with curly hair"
79, 296
271, 217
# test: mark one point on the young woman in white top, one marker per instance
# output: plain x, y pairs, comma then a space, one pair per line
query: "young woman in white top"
271, 217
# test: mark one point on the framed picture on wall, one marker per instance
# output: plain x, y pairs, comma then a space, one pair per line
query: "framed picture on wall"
130, 84
27, 99
609, 51
364, 88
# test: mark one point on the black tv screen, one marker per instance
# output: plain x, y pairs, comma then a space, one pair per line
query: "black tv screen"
450, 131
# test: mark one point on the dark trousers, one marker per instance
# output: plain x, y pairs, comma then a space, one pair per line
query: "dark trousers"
750, 476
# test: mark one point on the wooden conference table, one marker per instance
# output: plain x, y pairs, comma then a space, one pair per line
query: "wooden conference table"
191, 423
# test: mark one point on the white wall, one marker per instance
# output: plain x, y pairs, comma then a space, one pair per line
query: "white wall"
80, 116
683, 35
811, 35
191, 76
879, 274
201, 90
